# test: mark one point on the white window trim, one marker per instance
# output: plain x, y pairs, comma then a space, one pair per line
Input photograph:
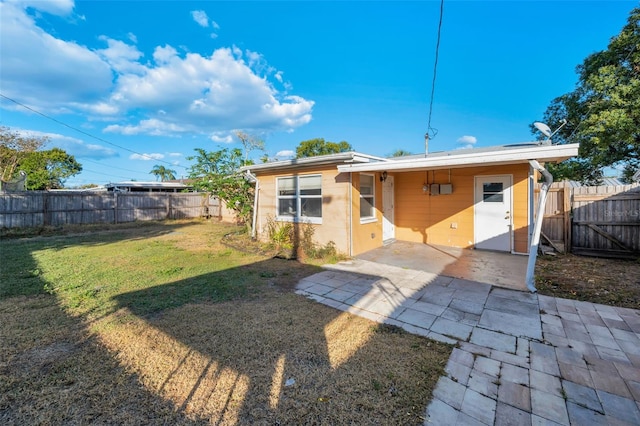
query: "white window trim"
297, 218
374, 218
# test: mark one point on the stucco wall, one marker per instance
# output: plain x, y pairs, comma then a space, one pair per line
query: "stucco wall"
335, 203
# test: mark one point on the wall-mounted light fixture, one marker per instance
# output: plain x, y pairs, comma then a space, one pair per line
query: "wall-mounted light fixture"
425, 188
383, 177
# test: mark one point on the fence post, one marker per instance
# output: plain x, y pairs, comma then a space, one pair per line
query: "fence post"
46, 220
566, 202
168, 215
115, 206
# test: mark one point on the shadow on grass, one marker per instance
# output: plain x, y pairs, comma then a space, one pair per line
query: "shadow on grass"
275, 359
52, 370
227, 347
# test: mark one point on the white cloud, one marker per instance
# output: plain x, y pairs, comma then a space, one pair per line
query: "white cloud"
212, 93
43, 71
222, 138
163, 55
467, 140
175, 93
76, 147
201, 18
54, 7
146, 157
152, 126
287, 153
175, 154
120, 56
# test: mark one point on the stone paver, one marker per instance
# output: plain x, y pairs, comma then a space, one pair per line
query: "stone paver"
520, 359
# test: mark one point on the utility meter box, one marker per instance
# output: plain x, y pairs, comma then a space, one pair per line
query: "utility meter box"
435, 189
446, 188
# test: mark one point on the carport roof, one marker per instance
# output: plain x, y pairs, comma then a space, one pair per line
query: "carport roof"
489, 156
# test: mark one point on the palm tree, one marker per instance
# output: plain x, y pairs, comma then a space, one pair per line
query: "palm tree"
162, 173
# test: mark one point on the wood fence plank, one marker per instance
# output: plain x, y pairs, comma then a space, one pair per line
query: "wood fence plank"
39, 208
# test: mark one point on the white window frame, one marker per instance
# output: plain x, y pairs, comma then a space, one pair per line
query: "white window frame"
298, 201
372, 196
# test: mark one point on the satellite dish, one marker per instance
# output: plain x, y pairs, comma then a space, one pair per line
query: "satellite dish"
544, 129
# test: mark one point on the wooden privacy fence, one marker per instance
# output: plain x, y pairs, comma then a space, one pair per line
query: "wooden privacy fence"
43, 208
593, 220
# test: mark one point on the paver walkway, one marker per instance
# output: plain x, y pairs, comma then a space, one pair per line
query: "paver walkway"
521, 358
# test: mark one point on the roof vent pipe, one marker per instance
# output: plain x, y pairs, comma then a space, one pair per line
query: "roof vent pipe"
426, 144
537, 227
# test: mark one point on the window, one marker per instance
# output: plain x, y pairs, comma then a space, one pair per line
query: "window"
367, 198
492, 192
300, 198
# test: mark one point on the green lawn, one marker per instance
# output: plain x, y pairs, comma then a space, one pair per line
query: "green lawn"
162, 323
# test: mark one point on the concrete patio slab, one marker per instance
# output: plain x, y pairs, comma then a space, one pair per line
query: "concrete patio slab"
494, 268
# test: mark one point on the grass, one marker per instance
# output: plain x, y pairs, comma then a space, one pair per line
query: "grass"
162, 323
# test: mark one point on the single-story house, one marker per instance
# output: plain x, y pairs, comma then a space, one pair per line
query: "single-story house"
473, 198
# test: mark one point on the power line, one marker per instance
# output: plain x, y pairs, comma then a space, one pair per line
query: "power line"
431, 132
112, 167
85, 133
105, 174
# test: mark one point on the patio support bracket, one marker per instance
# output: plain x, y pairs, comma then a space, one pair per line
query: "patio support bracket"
537, 227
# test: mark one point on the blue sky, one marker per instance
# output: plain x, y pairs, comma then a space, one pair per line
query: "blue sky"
147, 82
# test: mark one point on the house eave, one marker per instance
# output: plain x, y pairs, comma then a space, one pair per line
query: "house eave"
308, 162
455, 159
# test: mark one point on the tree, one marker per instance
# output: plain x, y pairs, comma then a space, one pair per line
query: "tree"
603, 112
14, 148
162, 173
218, 173
319, 146
400, 153
249, 143
49, 169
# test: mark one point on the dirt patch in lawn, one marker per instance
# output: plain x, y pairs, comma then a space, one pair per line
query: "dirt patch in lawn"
606, 281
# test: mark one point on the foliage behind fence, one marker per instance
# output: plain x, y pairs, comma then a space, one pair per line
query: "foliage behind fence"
44, 208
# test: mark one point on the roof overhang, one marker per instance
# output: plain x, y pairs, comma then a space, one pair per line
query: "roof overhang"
320, 160
460, 158
155, 185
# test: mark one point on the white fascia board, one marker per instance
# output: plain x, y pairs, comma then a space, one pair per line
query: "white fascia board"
343, 157
549, 153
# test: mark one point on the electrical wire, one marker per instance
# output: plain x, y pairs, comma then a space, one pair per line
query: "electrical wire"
431, 132
112, 167
86, 133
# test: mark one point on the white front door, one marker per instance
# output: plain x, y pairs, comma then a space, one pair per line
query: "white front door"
493, 212
388, 226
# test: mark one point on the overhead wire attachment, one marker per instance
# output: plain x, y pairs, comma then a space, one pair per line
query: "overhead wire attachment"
431, 132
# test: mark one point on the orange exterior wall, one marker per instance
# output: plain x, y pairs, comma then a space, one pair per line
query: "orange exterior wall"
335, 204
449, 219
